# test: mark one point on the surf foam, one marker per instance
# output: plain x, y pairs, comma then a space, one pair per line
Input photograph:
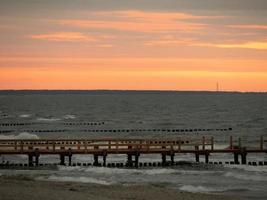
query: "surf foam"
69, 117
48, 119
77, 179
25, 115
201, 189
23, 135
249, 177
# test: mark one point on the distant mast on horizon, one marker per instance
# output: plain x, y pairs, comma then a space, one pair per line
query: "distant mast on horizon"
217, 87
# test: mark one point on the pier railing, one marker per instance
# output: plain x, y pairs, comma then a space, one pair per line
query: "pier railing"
131, 147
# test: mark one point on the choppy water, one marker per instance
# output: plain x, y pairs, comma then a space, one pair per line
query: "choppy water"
140, 112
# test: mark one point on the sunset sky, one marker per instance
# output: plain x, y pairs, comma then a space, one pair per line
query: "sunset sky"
134, 44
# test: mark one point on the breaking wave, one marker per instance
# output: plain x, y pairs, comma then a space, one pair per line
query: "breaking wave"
249, 177
23, 135
25, 115
69, 117
248, 168
105, 170
77, 179
48, 119
201, 189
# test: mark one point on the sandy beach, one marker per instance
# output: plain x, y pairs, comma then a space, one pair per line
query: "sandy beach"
16, 188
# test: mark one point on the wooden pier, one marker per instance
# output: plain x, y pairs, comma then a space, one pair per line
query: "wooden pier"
131, 148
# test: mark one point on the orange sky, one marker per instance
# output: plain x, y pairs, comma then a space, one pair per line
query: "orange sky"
134, 48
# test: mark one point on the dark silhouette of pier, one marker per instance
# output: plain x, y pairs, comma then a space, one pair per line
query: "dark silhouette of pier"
131, 148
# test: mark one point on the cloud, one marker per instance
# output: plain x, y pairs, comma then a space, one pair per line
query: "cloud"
133, 26
64, 36
250, 26
152, 16
248, 45
139, 21
171, 42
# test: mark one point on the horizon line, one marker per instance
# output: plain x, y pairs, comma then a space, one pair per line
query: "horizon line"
126, 90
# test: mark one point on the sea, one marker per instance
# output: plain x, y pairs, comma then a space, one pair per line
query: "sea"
142, 114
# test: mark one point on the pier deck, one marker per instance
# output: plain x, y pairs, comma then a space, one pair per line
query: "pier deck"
133, 148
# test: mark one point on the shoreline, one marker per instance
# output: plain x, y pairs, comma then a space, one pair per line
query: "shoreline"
21, 187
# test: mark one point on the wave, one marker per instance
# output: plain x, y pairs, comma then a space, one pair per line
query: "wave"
247, 177
248, 168
150, 172
105, 170
23, 135
201, 189
48, 119
69, 117
76, 179
25, 115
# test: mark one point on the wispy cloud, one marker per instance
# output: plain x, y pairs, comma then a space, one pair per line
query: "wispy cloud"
248, 45
250, 26
169, 41
152, 16
64, 36
156, 26
140, 21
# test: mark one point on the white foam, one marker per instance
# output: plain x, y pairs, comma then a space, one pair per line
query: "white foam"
105, 170
98, 170
77, 179
158, 171
23, 135
249, 177
70, 168
197, 189
25, 115
248, 168
48, 119
69, 117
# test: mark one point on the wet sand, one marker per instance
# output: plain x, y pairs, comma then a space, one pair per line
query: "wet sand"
17, 188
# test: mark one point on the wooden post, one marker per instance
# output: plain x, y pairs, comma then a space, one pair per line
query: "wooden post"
104, 160
37, 160
206, 158
37, 155
231, 142
172, 158
30, 160
70, 156
136, 161
179, 145
244, 158
236, 158
197, 157
95, 160
62, 159
212, 143
129, 160
196, 153
203, 143
163, 156
15, 145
